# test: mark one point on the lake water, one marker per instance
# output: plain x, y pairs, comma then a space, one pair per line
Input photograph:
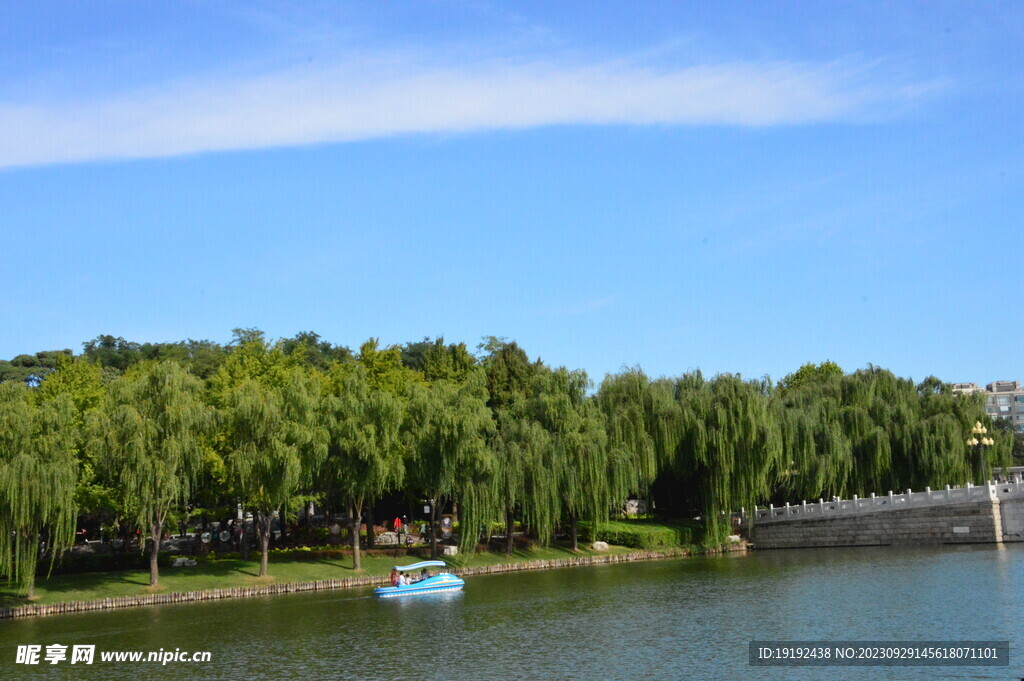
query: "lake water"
678, 619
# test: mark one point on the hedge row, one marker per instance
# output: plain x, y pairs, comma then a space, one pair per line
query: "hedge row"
647, 535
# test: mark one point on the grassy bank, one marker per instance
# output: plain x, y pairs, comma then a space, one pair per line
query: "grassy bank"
624, 536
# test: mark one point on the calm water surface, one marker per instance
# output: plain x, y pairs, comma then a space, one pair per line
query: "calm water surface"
681, 619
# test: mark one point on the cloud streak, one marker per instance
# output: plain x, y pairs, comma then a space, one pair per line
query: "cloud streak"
369, 99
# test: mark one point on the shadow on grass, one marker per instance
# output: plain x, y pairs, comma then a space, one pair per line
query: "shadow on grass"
96, 585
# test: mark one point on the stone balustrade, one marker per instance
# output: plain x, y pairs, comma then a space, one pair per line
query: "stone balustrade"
805, 510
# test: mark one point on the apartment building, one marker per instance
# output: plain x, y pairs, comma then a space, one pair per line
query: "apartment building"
1004, 399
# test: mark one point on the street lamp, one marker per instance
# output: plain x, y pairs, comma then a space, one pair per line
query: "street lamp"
980, 446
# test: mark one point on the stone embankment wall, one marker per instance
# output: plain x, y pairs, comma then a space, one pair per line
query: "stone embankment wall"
960, 523
973, 514
1012, 511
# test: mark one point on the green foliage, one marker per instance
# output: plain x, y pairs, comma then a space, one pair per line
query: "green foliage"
251, 359
273, 435
437, 361
447, 431
641, 424
273, 439
38, 477
646, 535
730, 445
80, 381
117, 355
508, 371
384, 368
365, 453
149, 437
159, 431
871, 431
588, 480
308, 349
810, 373
31, 369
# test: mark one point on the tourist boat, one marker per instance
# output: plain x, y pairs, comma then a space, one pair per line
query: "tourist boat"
431, 585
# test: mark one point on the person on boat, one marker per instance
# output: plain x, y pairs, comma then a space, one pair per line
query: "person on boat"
423, 574
394, 577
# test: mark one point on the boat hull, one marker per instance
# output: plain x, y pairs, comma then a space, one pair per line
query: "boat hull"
432, 585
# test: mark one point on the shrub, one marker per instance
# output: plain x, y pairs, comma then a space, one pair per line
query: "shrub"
646, 535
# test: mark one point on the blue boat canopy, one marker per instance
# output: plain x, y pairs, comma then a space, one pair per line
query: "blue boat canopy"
420, 566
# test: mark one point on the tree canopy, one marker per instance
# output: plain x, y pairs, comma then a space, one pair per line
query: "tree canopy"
145, 432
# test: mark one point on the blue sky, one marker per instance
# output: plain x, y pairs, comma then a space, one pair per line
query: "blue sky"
737, 187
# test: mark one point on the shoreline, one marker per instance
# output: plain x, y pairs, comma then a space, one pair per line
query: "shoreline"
121, 602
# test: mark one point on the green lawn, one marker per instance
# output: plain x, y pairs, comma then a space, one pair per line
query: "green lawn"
232, 573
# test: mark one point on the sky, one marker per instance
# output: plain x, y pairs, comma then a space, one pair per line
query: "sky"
731, 186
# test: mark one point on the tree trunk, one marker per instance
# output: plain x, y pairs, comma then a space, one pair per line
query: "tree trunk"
575, 537
30, 539
263, 527
510, 525
433, 529
154, 551
357, 507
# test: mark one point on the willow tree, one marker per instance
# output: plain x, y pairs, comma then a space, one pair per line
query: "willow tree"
81, 381
524, 474
520, 445
366, 448
38, 476
642, 421
447, 426
730, 445
149, 435
587, 482
871, 431
274, 440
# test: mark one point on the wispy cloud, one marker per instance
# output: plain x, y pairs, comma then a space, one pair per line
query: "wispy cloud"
367, 99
